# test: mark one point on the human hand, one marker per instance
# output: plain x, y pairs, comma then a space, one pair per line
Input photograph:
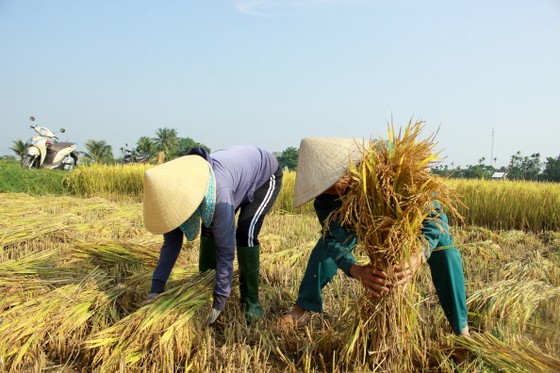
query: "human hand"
405, 271
374, 280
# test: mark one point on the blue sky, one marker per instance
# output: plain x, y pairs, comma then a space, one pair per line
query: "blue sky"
268, 72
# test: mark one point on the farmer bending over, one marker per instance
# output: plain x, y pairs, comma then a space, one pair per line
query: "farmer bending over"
322, 164
212, 188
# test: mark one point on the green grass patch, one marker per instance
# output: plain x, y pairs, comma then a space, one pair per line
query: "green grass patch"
15, 179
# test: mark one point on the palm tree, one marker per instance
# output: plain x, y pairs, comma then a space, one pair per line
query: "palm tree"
20, 148
166, 141
99, 151
146, 145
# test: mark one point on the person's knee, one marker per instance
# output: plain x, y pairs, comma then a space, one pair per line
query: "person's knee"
206, 232
242, 239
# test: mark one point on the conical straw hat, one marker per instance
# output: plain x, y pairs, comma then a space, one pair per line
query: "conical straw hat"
173, 191
322, 161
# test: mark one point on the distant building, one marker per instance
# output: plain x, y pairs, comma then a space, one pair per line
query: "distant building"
499, 176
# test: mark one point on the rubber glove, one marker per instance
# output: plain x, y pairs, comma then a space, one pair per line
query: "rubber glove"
212, 316
150, 297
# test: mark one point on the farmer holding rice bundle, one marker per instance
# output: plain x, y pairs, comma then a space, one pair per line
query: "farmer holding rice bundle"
212, 188
323, 173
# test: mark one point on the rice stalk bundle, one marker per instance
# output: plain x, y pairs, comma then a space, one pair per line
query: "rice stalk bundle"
25, 218
158, 336
117, 253
19, 280
28, 265
391, 193
56, 322
534, 266
512, 302
30, 228
34, 275
519, 354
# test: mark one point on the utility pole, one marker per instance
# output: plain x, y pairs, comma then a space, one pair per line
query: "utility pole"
492, 150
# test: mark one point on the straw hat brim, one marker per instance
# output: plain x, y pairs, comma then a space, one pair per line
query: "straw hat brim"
322, 161
173, 191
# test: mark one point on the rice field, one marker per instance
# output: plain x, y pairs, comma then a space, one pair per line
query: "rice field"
75, 270
498, 205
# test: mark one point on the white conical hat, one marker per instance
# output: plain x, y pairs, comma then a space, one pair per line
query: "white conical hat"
322, 161
173, 191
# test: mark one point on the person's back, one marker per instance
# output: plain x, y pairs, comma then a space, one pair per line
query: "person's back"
241, 169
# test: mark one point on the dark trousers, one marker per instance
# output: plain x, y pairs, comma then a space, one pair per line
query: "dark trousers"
252, 214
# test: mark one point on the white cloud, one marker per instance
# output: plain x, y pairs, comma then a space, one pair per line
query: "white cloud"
270, 8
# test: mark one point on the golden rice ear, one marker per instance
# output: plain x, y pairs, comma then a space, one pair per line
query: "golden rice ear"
393, 192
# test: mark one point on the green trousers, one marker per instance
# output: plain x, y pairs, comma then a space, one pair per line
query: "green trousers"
319, 272
449, 281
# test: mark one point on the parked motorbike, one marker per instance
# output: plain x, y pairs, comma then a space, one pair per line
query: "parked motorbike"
44, 151
131, 156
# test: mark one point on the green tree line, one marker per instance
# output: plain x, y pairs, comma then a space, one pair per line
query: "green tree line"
167, 145
520, 167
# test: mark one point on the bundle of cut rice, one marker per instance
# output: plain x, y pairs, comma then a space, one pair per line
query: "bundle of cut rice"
391, 193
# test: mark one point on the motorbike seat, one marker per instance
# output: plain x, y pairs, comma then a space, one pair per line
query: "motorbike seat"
60, 145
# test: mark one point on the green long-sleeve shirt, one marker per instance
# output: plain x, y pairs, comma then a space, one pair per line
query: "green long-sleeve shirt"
339, 241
